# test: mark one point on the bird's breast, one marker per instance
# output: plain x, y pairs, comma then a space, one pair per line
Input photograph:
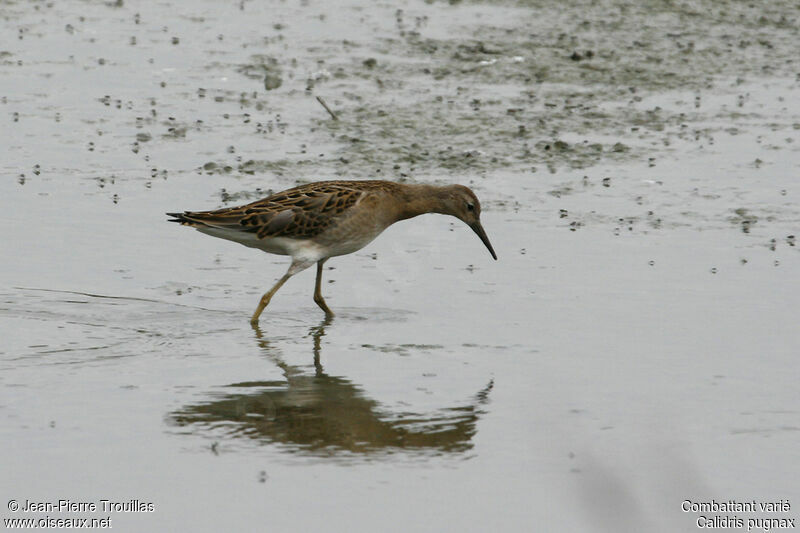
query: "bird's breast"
351, 234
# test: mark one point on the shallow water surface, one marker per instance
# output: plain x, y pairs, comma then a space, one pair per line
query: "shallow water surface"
634, 346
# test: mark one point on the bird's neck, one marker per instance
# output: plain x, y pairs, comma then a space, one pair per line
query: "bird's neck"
421, 199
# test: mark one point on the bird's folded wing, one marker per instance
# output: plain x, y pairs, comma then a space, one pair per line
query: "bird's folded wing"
303, 212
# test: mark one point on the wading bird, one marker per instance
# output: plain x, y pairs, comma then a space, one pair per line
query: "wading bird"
314, 222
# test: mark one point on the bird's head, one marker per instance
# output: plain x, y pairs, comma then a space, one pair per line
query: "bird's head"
461, 202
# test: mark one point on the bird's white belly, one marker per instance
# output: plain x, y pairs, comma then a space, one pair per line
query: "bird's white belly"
304, 249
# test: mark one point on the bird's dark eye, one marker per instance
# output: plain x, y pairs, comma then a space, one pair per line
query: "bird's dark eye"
470, 207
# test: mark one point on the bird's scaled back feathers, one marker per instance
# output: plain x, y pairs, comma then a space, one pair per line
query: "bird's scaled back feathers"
303, 212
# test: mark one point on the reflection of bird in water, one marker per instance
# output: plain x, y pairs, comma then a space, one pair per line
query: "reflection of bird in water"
314, 222
326, 415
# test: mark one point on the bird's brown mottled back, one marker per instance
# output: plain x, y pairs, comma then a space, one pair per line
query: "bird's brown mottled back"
299, 213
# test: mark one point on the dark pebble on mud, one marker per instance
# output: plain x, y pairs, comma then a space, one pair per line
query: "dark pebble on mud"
272, 81
588, 54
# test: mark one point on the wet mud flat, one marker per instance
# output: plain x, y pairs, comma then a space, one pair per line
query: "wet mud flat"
634, 346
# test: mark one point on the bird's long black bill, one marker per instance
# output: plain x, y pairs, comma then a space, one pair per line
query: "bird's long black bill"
478, 229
